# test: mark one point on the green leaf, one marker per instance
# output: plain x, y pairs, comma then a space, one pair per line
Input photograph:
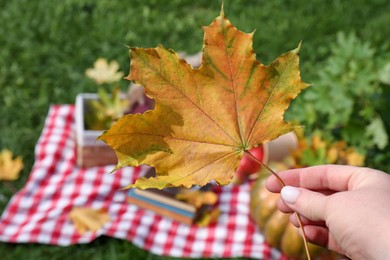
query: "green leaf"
376, 130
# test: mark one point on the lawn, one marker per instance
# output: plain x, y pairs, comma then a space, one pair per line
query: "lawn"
46, 46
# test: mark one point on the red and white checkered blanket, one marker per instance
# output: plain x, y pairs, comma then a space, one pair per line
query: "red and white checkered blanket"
39, 212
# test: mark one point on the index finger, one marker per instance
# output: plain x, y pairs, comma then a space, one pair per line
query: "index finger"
322, 177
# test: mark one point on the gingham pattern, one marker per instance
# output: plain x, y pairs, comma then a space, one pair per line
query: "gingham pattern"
39, 212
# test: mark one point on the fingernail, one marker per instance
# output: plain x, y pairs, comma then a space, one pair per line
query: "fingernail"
289, 194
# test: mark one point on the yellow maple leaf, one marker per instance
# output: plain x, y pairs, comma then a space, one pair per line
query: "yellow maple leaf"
104, 71
198, 198
204, 118
9, 167
87, 219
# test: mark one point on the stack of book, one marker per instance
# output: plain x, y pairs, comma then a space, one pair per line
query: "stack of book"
164, 202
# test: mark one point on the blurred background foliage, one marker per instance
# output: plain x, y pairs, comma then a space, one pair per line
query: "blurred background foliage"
46, 46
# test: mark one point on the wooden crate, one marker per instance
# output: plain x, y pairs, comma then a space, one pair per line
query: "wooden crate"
91, 156
90, 151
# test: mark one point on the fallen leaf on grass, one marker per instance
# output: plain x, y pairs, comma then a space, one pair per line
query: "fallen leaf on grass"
87, 219
9, 168
104, 71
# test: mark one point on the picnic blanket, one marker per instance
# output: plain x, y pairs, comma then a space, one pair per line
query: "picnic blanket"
39, 212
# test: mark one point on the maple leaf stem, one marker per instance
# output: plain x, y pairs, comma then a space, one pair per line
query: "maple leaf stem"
283, 184
303, 235
267, 167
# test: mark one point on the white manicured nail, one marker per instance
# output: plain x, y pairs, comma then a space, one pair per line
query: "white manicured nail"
290, 194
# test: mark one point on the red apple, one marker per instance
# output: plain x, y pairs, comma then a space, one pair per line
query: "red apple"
247, 164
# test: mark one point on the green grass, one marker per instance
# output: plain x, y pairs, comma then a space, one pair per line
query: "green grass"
101, 248
46, 45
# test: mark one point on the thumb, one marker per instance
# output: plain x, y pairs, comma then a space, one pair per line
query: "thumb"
309, 204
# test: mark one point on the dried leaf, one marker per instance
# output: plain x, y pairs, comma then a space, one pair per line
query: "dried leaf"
104, 72
204, 118
86, 219
209, 217
198, 198
9, 168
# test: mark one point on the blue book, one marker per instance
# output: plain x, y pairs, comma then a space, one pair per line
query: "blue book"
164, 202
162, 207
163, 199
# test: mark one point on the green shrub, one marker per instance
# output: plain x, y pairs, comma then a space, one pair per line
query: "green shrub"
343, 101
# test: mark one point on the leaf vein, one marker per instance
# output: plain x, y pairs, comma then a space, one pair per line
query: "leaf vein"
192, 102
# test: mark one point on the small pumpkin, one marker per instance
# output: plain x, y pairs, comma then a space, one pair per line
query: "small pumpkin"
276, 227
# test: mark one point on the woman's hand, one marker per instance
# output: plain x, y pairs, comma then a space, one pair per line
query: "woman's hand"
344, 208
